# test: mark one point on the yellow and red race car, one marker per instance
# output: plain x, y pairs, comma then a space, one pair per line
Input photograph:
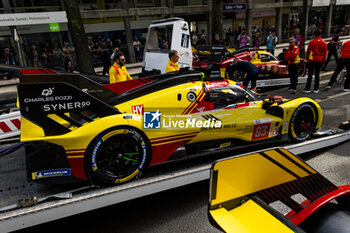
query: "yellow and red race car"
109, 134
270, 184
217, 63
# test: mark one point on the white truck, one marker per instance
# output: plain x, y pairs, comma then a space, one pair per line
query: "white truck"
163, 36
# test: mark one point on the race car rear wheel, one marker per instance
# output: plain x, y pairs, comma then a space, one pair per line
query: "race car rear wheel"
117, 155
302, 69
302, 123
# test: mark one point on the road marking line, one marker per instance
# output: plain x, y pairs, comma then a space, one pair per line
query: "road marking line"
332, 97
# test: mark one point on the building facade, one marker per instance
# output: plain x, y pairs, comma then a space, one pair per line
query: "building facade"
106, 18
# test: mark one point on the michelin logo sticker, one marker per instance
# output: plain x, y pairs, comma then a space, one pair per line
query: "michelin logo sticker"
151, 120
51, 173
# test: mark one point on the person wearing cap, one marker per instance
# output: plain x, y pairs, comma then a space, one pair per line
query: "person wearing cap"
292, 56
8, 57
316, 55
344, 61
245, 67
118, 72
173, 62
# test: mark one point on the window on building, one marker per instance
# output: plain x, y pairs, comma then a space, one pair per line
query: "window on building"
113, 4
145, 3
46, 3
87, 1
181, 3
31, 3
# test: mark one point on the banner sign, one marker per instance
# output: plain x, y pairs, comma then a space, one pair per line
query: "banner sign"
231, 7
33, 18
54, 27
342, 2
320, 3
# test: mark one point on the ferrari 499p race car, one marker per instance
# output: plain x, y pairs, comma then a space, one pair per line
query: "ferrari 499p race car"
109, 134
272, 183
219, 61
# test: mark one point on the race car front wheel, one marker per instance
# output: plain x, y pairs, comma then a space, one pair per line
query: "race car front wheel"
116, 156
229, 74
302, 123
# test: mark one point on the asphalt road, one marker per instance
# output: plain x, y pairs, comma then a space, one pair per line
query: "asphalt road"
185, 209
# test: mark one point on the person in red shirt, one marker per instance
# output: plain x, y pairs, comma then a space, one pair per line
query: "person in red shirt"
344, 61
316, 56
292, 56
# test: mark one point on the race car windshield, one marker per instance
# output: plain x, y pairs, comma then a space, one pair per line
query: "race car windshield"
249, 95
222, 97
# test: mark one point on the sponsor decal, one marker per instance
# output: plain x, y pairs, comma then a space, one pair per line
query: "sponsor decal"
261, 128
144, 151
66, 106
47, 99
151, 120
47, 92
225, 144
275, 69
94, 154
137, 109
285, 126
213, 84
191, 123
184, 54
201, 109
51, 173
263, 68
230, 125
268, 68
276, 131
185, 39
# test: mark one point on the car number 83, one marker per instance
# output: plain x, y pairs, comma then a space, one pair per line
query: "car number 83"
261, 129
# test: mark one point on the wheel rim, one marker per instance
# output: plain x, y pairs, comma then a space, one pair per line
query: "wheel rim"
304, 123
120, 156
301, 69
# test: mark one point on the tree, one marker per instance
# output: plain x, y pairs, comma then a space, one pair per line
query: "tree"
216, 18
76, 28
128, 34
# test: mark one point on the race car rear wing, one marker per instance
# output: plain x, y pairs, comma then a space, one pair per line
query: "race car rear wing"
56, 103
243, 187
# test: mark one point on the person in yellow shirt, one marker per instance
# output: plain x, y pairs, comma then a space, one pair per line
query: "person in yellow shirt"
172, 64
118, 72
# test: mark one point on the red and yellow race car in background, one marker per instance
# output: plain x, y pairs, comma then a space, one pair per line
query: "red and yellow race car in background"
271, 182
109, 134
217, 63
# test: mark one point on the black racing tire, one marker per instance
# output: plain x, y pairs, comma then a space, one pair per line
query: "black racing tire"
302, 68
228, 71
303, 122
117, 155
229, 74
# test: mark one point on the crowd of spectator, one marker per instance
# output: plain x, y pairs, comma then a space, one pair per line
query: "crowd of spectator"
265, 35
58, 56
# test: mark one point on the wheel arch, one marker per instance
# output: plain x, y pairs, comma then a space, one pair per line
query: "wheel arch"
91, 144
317, 115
